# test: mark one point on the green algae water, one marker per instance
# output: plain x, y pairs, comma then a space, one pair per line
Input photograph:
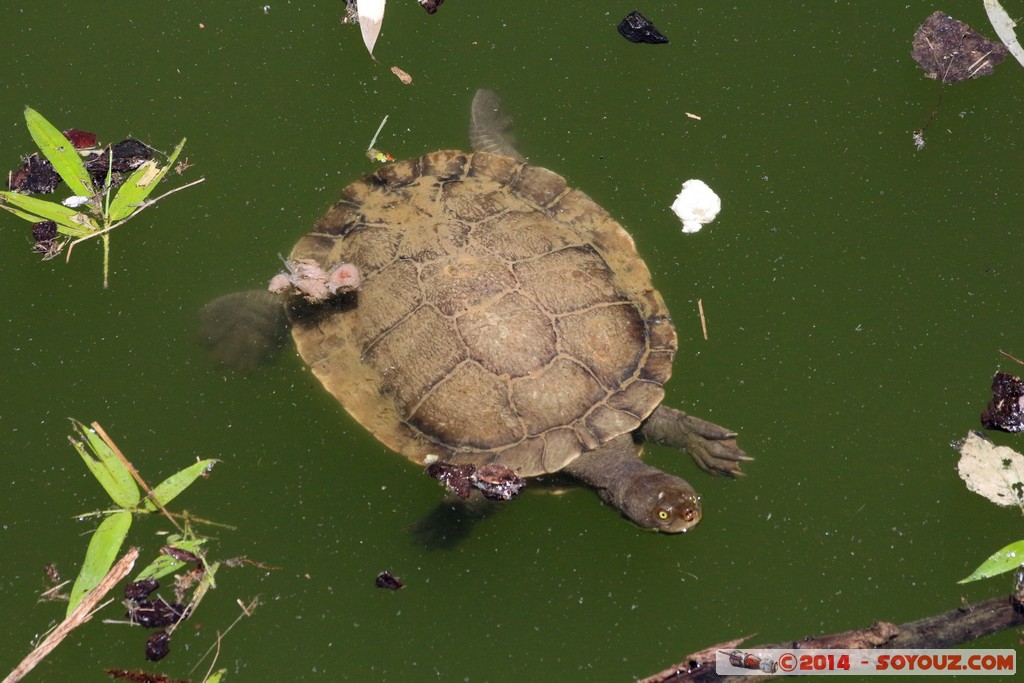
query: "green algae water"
856, 292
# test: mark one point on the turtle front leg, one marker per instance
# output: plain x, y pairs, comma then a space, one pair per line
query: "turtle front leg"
713, 448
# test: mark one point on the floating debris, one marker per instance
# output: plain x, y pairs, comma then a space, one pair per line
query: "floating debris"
158, 646
374, 154
140, 590
371, 16
81, 139
951, 51
156, 613
316, 285
1006, 410
137, 676
696, 205
388, 580
430, 5
34, 176
45, 235
402, 75
495, 482
995, 472
456, 478
636, 28
1004, 26
181, 555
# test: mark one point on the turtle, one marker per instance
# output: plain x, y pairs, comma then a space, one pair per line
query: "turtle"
502, 318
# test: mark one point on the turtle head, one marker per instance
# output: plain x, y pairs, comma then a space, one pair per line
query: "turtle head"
662, 502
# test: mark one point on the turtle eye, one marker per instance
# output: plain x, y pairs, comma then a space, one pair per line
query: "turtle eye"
663, 514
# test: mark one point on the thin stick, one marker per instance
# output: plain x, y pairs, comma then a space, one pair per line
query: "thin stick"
379, 129
247, 611
1018, 360
79, 616
703, 322
142, 207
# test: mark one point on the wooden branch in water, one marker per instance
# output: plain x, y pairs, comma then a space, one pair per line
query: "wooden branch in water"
954, 627
79, 616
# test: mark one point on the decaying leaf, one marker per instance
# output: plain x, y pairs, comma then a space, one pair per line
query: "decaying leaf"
402, 75
995, 472
636, 28
386, 579
951, 51
1006, 409
495, 482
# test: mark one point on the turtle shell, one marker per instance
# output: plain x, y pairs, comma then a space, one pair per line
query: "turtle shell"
503, 316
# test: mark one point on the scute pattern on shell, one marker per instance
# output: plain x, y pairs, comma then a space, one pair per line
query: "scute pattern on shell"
503, 317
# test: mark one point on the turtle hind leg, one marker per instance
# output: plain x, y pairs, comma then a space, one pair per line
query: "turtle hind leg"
243, 330
489, 127
713, 448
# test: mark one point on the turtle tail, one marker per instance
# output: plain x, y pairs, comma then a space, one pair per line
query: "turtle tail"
489, 126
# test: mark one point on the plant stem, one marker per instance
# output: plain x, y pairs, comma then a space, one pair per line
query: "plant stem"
106, 259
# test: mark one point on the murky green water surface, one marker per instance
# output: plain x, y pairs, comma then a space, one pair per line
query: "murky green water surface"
856, 293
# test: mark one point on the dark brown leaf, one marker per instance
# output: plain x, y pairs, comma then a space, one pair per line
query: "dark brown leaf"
1006, 410
951, 51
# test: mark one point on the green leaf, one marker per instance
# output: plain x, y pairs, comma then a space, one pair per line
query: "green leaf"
216, 676
139, 185
60, 152
1006, 560
32, 209
169, 488
165, 564
100, 556
108, 469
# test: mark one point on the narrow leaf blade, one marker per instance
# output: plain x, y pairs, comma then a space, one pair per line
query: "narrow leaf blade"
1005, 560
139, 185
60, 152
103, 548
33, 209
108, 469
169, 488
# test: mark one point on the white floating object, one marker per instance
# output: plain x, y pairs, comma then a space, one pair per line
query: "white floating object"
74, 202
1004, 26
696, 205
371, 16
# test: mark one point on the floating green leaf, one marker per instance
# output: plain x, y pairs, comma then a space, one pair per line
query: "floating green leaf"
108, 469
165, 564
216, 676
1006, 560
69, 221
140, 185
99, 557
169, 488
60, 152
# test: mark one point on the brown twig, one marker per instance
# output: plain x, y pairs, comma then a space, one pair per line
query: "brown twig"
79, 616
703, 322
142, 207
956, 626
1013, 358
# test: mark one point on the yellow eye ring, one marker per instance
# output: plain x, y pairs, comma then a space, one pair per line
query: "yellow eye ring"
662, 514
